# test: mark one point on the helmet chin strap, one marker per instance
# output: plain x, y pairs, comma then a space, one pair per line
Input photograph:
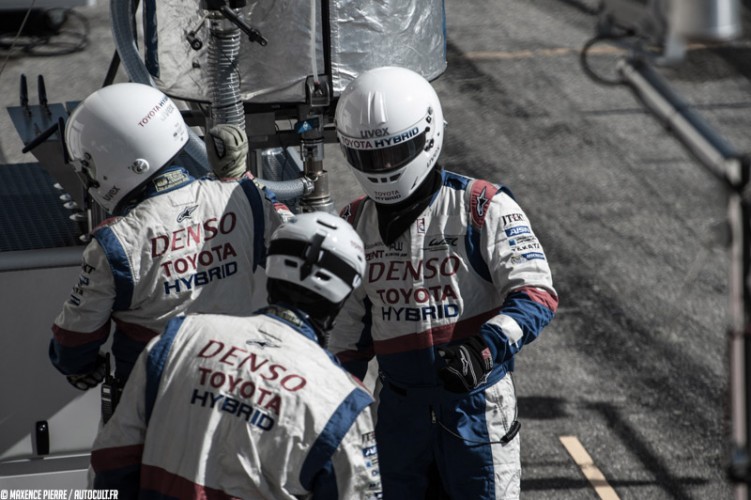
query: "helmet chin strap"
321, 323
394, 219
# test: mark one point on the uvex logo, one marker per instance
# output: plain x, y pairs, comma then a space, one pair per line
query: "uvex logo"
379, 132
111, 193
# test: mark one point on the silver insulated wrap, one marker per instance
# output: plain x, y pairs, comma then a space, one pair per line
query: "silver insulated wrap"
367, 34
363, 34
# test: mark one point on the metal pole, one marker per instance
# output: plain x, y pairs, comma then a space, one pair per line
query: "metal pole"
739, 329
732, 169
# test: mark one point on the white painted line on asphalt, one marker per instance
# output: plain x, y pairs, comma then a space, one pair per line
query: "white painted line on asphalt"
518, 54
492, 55
588, 468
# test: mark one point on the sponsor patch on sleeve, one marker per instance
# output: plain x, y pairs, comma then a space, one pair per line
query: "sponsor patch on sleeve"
515, 231
534, 256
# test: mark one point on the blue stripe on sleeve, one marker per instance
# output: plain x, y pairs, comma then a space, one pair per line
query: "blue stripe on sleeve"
158, 360
359, 367
256, 205
119, 265
78, 359
531, 317
317, 472
472, 242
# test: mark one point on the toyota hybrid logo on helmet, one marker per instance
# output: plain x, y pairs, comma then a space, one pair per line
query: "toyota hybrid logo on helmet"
153, 111
378, 143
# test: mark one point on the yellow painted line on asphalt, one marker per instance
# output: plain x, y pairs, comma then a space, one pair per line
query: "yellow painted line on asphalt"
588, 468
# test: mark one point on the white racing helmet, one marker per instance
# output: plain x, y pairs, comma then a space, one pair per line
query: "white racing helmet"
390, 126
319, 252
121, 135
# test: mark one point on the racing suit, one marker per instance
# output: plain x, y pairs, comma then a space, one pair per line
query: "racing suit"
187, 245
469, 263
259, 410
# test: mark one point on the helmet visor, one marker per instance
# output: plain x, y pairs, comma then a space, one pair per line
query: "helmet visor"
385, 159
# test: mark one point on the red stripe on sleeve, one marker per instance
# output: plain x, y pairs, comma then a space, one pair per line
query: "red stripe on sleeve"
542, 297
169, 484
69, 338
116, 458
135, 332
348, 356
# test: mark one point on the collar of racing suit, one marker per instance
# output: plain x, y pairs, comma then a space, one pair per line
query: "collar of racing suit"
297, 318
396, 218
166, 180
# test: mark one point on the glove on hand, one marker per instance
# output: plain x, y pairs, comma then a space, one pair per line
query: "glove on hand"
227, 149
92, 379
466, 364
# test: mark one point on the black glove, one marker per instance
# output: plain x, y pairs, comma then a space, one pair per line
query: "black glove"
87, 381
466, 364
227, 149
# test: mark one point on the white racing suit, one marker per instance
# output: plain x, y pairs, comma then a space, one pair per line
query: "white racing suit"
229, 407
470, 263
188, 246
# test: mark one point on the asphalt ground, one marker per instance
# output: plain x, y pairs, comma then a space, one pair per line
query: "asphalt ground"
631, 379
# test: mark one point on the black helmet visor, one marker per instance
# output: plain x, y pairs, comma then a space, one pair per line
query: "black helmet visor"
385, 159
